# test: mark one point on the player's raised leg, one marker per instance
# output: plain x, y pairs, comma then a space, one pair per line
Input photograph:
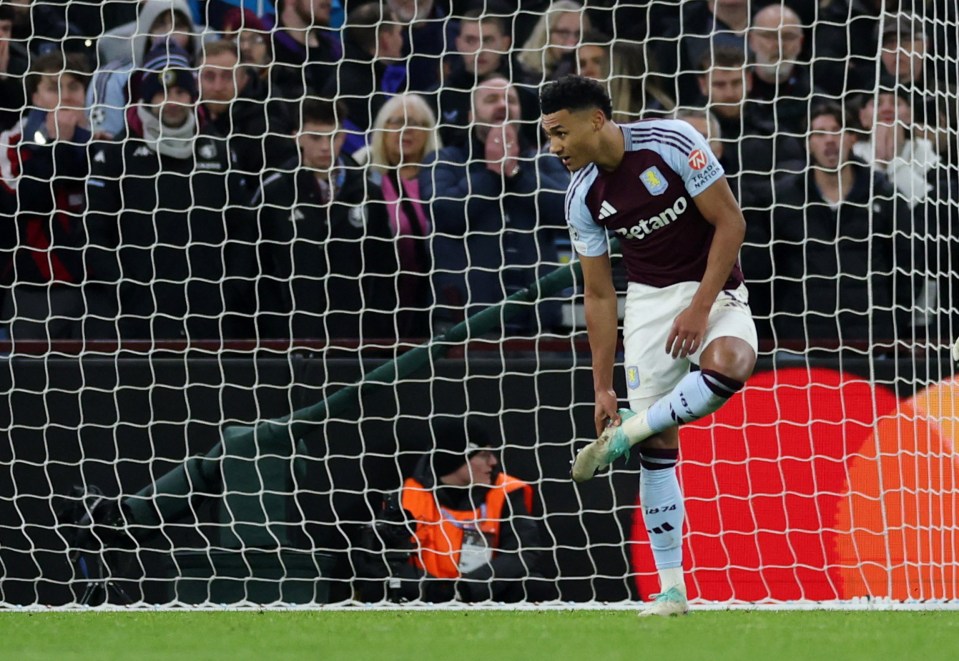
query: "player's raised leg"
697, 395
726, 363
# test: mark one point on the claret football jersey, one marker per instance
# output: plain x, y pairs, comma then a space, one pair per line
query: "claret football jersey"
648, 202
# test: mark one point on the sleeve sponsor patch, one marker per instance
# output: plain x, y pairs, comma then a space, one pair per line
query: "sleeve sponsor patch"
703, 179
698, 159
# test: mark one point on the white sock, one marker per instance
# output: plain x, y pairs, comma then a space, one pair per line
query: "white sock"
697, 395
663, 514
672, 577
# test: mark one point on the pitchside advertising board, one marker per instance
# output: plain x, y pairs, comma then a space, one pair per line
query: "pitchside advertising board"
811, 484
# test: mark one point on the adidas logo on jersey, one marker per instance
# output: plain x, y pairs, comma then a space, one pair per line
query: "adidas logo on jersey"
606, 210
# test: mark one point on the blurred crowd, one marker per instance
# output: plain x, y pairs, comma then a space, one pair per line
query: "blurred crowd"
372, 171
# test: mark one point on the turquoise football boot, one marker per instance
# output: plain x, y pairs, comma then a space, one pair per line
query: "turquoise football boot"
610, 446
670, 603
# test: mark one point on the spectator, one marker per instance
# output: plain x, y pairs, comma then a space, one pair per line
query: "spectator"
424, 40
550, 51
912, 166
157, 19
317, 249
622, 67
780, 83
752, 151
846, 44
724, 86
14, 60
164, 219
44, 163
497, 207
61, 26
115, 84
482, 49
248, 13
941, 130
807, 11
234, 102
904, 54
370, 72
22, 28
404, 132
252, 36
463, 529
701, 26
888, 145
902, 49
634, 91
840, 244
592, 56
305, 51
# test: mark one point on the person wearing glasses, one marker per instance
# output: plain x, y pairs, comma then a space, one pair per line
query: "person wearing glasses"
780, 82
550, 51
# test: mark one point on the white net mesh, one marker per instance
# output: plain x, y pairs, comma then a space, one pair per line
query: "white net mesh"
218, 213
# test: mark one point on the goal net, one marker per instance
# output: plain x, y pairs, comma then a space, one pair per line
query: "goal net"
291, 316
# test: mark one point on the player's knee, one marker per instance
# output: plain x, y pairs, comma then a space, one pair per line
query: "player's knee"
731, 357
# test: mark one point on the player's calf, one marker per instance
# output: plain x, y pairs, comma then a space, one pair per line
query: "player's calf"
698, 395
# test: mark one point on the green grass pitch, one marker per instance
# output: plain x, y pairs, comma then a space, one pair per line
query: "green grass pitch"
487, 635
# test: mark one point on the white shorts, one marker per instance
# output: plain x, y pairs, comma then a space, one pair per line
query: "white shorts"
650, 312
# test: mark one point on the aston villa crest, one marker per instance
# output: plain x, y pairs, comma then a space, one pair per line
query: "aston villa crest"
654, 181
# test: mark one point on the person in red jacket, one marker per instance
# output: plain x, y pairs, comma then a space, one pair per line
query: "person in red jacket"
48, 292
462, 528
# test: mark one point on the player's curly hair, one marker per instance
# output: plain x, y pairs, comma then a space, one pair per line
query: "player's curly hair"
574, 93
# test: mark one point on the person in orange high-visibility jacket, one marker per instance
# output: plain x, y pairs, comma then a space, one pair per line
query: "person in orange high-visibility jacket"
473, 535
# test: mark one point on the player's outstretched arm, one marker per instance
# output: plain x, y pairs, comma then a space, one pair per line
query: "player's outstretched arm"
602, 326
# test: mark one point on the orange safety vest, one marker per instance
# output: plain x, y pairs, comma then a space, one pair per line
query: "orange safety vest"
439, 531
